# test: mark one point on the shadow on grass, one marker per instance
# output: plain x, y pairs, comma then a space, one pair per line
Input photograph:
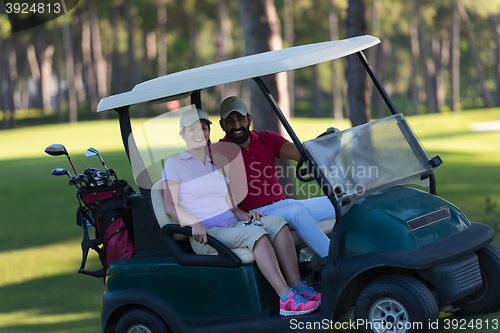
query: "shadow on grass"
38, 208
64, 303
78, 326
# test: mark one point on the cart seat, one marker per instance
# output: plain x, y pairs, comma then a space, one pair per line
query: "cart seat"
244, 254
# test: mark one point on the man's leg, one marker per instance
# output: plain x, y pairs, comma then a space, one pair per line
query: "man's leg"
321, 208
301, 219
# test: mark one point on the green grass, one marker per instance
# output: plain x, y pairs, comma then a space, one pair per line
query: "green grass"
40, 242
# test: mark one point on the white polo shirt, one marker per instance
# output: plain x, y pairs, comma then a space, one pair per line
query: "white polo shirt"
202, 189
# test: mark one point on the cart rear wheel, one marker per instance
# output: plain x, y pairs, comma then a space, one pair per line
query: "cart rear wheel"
487, 298
140, 321
396, 303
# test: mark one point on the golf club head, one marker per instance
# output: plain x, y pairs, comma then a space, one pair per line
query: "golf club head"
91, 171
82, 178
112, 173
93, 152
56, 150
73, 181
60, 172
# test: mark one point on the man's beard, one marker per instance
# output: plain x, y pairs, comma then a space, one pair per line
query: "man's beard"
240, 139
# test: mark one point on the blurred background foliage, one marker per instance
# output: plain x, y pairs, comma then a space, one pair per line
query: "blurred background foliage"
435, 56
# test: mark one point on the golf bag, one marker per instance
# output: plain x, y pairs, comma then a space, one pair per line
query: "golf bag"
106, 209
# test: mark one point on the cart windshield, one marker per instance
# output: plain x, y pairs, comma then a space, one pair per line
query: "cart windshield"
371, 157
155, 141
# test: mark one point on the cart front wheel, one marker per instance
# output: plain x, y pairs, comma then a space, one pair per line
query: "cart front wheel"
140, 321
487, 298
397, 304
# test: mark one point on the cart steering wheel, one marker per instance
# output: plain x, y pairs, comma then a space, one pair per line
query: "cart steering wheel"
301, 171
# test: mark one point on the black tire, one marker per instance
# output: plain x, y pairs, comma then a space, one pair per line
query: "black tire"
486, 299
401, 300
140, 321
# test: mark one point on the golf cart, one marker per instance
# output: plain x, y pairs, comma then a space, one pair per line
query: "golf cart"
398, 255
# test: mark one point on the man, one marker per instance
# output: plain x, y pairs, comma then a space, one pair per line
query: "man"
260, 149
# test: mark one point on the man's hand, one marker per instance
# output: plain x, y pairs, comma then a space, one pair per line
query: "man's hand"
200, 233
254, 215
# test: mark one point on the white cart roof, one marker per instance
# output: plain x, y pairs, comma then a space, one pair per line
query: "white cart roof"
173, 86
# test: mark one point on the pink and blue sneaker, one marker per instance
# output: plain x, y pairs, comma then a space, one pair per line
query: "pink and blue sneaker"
309, 293
295, 305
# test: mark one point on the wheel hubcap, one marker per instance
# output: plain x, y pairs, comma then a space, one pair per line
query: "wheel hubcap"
139, 329
388, 315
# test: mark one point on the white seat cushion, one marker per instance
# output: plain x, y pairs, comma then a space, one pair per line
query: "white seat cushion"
244, 254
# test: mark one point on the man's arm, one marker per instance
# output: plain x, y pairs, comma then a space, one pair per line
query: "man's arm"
289, 151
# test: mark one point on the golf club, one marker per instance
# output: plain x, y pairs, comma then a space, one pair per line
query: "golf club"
60, 172
77, 179
58, 149
93, 152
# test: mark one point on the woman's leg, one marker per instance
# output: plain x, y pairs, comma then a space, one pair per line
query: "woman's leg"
287, 257
267, 262
250, 236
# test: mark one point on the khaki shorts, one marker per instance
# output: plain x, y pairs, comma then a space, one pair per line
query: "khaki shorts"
237, 235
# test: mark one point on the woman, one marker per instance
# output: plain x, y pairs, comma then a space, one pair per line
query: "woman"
197, 195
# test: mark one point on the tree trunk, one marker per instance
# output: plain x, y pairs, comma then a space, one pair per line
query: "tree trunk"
192, 27
99, 61
116, 70
162, 46
475, 58
317, 109
35, 75
495, 27
262, 33
70, 71
40, 52
162, 42
290, 40
441, 52
88, 65
133, 65
429, 71
261, 30
358, 91
455, 59
57, 70
8, 75
11, 85
224, 49
47, 79
337, 79
415, 55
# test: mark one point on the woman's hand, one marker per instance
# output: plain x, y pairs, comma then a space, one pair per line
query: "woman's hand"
200, 233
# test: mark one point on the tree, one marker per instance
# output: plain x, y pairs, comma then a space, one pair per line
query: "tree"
429, 69
337, 93
415, 55
289, 40
8, 75
495, 27
474, 52
224, 47
70, 70
455, 58
99, 61
358, 91
262, 32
